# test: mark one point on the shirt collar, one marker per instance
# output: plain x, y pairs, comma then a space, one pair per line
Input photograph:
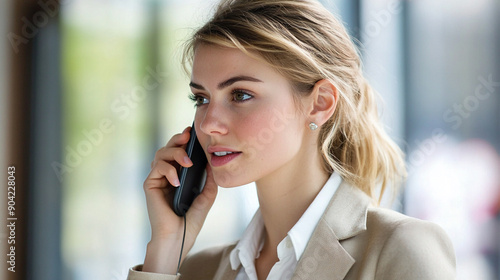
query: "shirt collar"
250, 244
301, 232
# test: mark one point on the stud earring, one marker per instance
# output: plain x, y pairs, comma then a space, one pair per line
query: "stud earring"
313, 126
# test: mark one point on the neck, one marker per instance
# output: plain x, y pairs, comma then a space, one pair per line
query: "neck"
286, 194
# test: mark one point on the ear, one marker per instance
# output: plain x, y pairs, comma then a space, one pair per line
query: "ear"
324, 101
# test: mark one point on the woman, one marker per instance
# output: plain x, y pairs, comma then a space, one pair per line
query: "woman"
282, 102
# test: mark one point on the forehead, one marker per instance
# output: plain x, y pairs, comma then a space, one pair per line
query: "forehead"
216, 62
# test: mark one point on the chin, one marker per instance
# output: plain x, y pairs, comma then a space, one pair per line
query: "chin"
229, 181
225, 183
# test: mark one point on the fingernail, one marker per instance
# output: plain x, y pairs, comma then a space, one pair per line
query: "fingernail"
187, 160
176, 182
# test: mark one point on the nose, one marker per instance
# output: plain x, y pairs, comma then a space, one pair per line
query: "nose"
212, 120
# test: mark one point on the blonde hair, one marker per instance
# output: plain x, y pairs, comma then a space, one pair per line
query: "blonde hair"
306, 43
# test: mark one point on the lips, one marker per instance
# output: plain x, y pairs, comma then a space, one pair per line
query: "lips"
221, 155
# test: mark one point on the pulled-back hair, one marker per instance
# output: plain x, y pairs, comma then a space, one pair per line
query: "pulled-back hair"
305, 43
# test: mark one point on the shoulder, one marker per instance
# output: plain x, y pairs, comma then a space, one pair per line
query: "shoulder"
204, 264
399, 227
410, 248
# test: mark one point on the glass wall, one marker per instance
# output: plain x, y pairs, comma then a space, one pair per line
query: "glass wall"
108, 85
453, 125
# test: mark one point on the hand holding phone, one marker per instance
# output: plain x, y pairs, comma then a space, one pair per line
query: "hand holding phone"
167, 229
192, 179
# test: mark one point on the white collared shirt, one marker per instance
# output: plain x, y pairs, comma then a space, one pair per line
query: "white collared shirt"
290, 249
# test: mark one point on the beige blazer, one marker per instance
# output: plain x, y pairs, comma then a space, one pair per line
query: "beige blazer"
351, 241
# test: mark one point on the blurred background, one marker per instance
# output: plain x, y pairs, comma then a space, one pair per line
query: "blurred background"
91, 89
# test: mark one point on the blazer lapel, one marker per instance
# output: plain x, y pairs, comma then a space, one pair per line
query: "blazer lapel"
324, 257
345, 217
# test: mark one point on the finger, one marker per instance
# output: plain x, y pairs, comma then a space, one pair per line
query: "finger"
210, 190
161, 170
202, 204
163, 220
178, 155
179, 139
155, 189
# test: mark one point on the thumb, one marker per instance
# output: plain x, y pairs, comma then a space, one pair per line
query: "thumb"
203, 202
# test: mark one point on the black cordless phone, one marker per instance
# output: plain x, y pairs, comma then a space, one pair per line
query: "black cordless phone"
192, 179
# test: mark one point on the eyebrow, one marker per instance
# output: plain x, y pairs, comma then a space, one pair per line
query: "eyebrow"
227, 82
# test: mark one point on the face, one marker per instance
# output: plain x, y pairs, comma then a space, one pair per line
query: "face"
246, 118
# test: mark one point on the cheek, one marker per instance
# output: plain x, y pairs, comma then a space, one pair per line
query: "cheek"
272, 131
254, 130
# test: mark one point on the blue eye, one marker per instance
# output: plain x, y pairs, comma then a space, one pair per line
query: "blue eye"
198, 100
241, 96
